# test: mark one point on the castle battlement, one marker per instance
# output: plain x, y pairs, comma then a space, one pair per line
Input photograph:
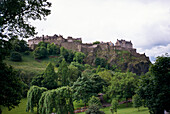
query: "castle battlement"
76, 44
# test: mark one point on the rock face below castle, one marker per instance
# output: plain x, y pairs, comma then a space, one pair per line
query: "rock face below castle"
122, 54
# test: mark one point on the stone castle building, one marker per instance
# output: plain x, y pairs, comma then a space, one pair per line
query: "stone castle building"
121, 53
76, 44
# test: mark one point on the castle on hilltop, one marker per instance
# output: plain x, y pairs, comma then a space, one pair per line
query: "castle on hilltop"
76, 44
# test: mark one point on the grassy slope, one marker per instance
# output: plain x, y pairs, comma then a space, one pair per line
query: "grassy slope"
29, 64
122, 110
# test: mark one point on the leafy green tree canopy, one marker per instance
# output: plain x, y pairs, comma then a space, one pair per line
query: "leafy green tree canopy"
50, 77
40, 52
79, 57
33, 97
83, 89
10, 86
154, 87
137, 101
60, 99
123, 85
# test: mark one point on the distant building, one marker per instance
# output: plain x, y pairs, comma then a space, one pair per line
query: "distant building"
123, 43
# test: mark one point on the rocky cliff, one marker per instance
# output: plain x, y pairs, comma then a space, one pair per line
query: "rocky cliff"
124, 59
122, 54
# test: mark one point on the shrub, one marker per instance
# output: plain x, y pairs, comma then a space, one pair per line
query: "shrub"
15, 56
96, 42
26, 53
40, 52
95, 100
94, 109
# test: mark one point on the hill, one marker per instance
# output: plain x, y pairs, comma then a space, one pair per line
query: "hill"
121, 54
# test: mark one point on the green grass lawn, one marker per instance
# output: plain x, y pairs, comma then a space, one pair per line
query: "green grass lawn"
29, 64
21, 109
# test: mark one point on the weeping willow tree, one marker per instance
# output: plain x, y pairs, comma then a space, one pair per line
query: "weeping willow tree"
33, 96
59, 99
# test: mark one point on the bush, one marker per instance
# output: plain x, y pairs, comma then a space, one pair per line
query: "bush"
94, 109
15, 56
40, 52
96, 42
26, 53
95, 100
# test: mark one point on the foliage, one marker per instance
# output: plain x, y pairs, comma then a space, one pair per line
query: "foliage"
15, 56
14, 16
73, 73
114, 105
79, 56
100, 61
33, 97
94, 100
94, 109
98, 69
40, 52
70, 56
10, 86
106, 75
83, 89
37, 80
26, 52
98, 82
63, 73
43, 44
78, 65
87, 66
19, 45
49, 77
137, 102
87, 72
123, 85
64, 53
60, 99
96, 42
52, 49
154, 88
58, 61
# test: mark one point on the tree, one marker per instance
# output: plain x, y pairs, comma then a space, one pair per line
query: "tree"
50, 77
60, 99
94, 100
137, 102
100, 61
114, 106
94, 106
154, 87
98, 82
73, 74
15, 56
96, 42
106, 75
63, 73
10, 86
14, 16
52, 49
40, 52
70, 56
123, 85
83, 89
64, 53
33, 97
78, 65
19, 45
79, 57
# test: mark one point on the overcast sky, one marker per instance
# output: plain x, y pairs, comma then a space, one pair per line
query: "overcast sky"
145, 22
